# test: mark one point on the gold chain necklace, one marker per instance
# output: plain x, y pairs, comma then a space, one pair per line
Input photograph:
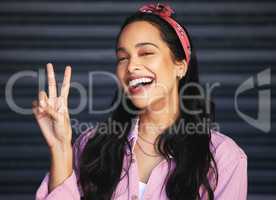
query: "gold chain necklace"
145, 140
156, 155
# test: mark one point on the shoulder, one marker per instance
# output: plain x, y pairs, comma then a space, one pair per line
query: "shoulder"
79, 145
81, 140
225, 150
83, 137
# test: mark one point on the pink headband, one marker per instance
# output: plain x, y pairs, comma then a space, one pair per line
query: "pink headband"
165, 11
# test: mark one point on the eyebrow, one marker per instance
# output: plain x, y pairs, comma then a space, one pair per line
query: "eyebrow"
138, 45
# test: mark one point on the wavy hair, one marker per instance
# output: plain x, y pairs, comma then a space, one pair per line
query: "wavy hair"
102, 158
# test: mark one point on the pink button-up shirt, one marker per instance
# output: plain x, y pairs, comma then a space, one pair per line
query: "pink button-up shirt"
231, 161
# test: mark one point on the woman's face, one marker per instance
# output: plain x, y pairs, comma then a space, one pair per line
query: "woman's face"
143, 56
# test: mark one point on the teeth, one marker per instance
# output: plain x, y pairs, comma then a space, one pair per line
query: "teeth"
139, 80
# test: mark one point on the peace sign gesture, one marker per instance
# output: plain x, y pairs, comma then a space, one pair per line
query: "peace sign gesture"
51, 111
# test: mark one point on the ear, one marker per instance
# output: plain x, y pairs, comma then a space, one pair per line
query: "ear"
181, 68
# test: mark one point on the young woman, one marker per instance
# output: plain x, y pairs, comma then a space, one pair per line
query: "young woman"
160, 154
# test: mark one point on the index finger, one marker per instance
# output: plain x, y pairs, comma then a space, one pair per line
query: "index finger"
66, 82
52, 87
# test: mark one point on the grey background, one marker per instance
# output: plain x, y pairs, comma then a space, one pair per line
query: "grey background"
234, 40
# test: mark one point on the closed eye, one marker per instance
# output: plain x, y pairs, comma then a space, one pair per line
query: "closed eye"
120, 59
144, 54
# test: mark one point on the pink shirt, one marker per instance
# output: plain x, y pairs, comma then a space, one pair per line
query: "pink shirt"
231, 161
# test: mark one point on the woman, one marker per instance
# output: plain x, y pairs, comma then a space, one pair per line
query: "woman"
156, 156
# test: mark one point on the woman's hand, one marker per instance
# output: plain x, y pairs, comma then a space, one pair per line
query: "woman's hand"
51, 111
52, 115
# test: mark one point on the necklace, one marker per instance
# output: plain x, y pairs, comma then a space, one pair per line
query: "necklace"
156, 155
145, 140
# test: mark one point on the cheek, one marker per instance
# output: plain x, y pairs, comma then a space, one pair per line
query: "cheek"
165, 71
165, 77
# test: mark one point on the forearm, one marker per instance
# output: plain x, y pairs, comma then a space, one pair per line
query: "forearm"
61, 166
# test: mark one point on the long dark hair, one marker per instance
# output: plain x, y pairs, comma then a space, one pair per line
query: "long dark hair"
102, 159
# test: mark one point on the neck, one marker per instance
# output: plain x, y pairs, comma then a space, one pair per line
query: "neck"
160, 115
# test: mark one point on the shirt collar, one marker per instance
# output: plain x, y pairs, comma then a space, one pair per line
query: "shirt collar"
132, 136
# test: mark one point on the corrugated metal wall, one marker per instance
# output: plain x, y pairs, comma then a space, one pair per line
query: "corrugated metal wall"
235, 40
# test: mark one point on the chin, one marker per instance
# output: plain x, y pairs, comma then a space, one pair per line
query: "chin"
149, 104
140, 103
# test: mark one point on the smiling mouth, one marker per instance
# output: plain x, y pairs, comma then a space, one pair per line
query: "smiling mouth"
139, 87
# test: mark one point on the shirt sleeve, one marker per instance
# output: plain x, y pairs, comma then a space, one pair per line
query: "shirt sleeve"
232, 172
67, 190
70, 189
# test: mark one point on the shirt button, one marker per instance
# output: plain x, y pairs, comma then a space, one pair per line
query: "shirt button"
133, 160
134, 197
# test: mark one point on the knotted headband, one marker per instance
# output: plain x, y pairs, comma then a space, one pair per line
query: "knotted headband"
165, 12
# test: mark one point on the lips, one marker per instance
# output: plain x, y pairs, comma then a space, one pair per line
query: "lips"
141, 87
137, 77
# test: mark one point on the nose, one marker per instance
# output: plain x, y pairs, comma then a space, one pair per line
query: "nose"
132, 65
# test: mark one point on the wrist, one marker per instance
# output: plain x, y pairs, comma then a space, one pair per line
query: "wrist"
63, 148
62, 162
62, 155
